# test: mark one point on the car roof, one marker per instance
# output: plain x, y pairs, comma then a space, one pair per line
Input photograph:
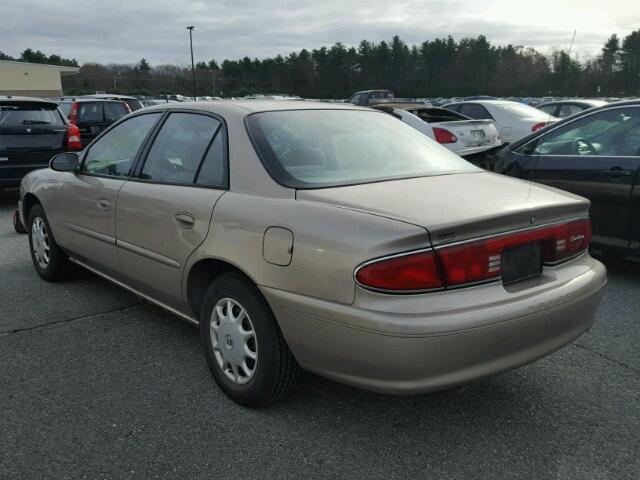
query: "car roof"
485, 102
586, 101
242, 108
17, 98
109, 95
407, 106
374, 90
87, 100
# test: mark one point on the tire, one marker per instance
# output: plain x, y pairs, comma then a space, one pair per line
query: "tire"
17, 223
275, 370
58, 266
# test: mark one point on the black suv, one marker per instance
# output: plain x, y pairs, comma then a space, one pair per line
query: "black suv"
32, 130
92, 115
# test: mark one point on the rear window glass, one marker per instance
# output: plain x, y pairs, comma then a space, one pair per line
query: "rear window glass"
90, 112
29, 114
65, 108
114, 111
133, 104
98, 112
323, 148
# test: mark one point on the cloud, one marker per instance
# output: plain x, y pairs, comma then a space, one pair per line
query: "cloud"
117, 31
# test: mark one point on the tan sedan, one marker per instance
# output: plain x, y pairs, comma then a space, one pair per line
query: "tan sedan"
330, 238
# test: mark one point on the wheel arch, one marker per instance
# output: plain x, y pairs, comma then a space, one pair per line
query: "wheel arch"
28, 201
200, 276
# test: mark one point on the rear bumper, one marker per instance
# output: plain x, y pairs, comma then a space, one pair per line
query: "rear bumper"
480, 149
422, 343
11, 175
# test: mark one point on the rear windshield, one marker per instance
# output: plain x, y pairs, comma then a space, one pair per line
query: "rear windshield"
29, 114
324, 148
133, 104
65, 108
96, 112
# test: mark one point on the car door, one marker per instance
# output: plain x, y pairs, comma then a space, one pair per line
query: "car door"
85, 201
595, 156
164, 212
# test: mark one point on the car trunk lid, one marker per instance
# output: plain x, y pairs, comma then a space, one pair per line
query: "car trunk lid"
457, 207
472, 133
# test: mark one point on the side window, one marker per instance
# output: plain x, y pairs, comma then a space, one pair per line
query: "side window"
475, 111
178, 149
213, 171
613, 132
453, 108
355, 99
114, 152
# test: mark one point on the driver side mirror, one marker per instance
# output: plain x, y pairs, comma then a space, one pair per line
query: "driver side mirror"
65, 162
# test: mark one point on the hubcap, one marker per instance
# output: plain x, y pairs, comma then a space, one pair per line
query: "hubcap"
40, 241
233, 339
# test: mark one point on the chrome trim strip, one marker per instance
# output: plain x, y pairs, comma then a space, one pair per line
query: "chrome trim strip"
136, 292
151, 255
508, 232
89, 233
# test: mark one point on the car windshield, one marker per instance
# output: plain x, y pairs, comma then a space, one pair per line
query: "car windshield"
29, 114
323, 148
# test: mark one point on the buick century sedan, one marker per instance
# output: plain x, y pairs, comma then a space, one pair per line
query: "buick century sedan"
330, 238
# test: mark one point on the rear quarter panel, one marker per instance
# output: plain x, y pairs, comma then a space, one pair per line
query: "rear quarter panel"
329, 243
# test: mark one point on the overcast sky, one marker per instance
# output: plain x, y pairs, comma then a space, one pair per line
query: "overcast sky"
107, 31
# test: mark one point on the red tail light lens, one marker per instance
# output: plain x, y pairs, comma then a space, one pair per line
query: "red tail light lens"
472, 262
417, 271
73, 114
480, 261
444, 136
73, 138
538, 126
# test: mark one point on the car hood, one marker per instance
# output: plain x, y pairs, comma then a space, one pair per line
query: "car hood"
458, 206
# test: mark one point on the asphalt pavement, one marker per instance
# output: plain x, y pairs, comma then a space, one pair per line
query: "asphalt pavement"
97, 384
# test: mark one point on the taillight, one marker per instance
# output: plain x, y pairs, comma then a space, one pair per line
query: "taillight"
444, 136
73, 114
474, 261
538, 126
411, 272
73, 138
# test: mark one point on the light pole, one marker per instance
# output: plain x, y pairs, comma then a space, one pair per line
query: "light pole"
193, 67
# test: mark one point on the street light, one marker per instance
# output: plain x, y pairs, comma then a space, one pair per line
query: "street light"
193, 67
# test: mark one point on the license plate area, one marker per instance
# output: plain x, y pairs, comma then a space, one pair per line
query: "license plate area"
521, 262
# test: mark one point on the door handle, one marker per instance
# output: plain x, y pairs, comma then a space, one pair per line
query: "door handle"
104, 204
617, 172
185, 220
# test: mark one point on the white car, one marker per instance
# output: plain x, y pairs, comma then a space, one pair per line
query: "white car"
514, 120
452, 130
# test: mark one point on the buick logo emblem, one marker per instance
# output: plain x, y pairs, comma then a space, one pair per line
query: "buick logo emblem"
533, 220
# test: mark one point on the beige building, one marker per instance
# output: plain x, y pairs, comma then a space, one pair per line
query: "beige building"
32, 79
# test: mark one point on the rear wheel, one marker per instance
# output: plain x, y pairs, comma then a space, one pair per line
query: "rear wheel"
49, 260
246, 352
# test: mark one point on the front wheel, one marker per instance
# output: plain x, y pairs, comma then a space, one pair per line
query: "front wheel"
49, 260
246, 352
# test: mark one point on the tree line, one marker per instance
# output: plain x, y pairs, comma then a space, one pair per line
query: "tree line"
441, 67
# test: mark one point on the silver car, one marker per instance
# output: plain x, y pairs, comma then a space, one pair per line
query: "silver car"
324, 237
